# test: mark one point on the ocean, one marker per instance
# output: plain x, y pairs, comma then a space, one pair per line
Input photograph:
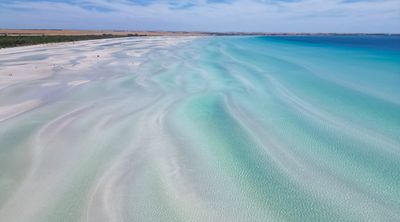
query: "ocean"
238, 128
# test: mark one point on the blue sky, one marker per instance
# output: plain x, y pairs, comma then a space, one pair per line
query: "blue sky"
205, 15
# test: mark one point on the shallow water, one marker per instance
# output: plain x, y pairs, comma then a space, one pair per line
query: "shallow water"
201, 129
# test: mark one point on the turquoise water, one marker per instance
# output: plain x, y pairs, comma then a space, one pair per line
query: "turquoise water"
203, 129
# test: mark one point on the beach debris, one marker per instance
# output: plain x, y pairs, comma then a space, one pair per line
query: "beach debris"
98, 56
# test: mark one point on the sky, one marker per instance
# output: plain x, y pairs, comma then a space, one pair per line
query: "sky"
371, 16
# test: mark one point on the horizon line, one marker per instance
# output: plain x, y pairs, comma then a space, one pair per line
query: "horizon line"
198, 32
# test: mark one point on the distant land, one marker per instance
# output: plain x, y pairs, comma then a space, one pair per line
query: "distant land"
23, 37
64, 32
38, 32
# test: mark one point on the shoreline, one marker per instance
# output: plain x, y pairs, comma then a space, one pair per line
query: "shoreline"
10, 38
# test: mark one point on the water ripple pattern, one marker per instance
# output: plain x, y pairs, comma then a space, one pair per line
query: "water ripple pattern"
201, 129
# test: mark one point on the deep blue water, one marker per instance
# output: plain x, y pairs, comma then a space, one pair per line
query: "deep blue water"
381, 42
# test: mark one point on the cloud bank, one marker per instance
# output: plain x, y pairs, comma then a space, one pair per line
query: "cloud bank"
205, 15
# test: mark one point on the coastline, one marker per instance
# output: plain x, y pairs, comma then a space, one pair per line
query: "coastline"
25, 37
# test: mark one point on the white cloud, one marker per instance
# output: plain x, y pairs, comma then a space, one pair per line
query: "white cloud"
200, 15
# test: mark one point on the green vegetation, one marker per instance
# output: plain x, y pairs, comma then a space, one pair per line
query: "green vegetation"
12, 41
